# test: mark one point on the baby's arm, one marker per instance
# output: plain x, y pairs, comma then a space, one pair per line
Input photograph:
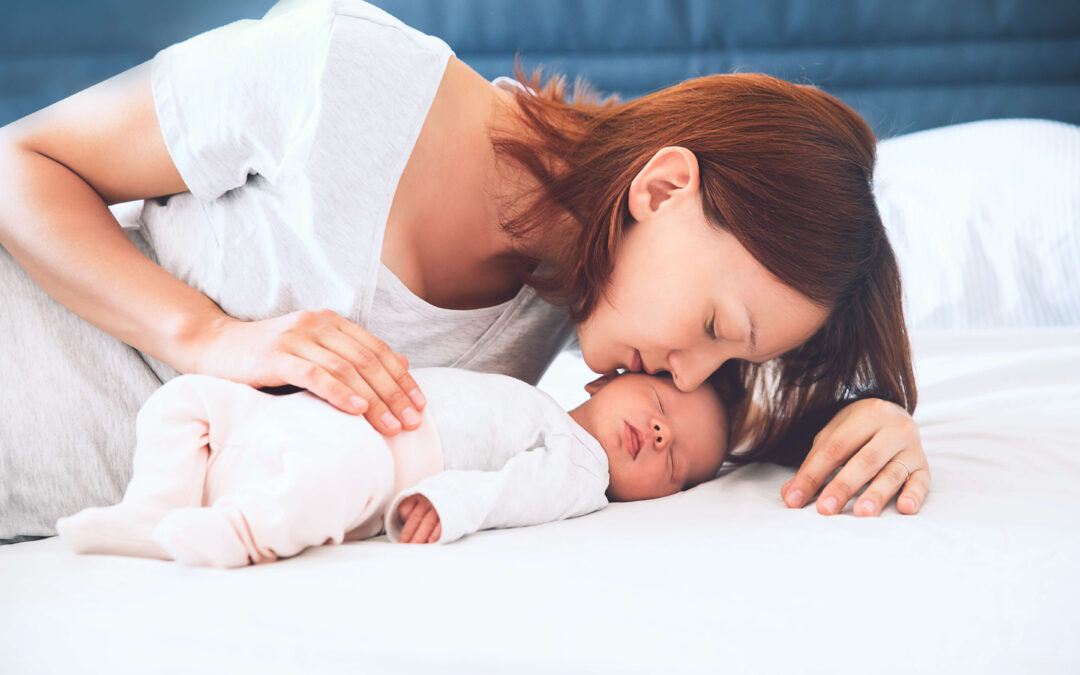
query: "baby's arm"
561, 479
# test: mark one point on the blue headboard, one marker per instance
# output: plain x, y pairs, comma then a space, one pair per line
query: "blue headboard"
904, 66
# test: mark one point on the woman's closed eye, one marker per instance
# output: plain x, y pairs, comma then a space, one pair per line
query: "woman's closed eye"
710, 332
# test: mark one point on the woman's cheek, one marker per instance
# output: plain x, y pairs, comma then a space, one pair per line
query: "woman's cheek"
592, 350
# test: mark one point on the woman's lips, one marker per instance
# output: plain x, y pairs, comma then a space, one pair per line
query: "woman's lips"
635, 362
632, 440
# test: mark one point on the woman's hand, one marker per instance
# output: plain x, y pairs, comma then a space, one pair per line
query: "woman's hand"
865, 437
322, 352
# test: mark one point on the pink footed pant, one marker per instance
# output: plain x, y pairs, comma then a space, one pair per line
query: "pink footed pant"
226, 475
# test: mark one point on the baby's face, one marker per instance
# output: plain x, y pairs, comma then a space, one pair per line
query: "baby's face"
658, 440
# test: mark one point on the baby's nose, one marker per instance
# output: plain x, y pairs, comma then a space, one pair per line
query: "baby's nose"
660, 434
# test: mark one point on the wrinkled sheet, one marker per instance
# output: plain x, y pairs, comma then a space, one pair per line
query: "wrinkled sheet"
721, 577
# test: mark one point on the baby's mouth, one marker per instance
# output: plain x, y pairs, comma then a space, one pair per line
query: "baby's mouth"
633, 440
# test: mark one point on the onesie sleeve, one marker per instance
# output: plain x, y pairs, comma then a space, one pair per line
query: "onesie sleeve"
557, 480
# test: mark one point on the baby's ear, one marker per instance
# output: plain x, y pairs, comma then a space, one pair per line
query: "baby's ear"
598, 384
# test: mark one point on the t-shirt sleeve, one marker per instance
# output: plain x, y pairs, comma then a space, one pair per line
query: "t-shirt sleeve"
233, 101
560, 479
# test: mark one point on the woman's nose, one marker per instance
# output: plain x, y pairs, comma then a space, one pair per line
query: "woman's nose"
659, 434
688, 373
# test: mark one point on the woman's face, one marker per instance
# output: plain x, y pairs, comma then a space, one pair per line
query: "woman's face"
677, 277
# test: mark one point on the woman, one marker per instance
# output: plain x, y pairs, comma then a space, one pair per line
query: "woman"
329, 191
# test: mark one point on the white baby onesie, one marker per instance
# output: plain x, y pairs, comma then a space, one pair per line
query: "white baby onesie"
226, 475
512, 456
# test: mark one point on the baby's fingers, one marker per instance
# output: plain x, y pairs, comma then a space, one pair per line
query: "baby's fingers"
427, 527
422, 522
406, 507
412, 523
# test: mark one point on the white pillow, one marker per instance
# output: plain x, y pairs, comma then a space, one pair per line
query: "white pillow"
985, 221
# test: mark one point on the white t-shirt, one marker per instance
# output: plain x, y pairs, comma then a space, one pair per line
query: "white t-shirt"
291, 133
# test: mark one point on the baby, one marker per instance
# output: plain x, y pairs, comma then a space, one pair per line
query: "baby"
226, 475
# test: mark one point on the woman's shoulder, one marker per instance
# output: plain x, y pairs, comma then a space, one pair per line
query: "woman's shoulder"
362, 11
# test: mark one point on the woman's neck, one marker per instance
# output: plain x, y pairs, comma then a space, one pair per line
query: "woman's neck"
445, 238
482, 193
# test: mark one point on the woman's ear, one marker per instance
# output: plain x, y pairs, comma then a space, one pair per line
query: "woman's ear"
672, 172
599, 383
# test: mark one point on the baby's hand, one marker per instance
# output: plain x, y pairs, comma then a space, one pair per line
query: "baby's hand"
422, 524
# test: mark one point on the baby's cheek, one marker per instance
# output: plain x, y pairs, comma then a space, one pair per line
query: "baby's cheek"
631, 485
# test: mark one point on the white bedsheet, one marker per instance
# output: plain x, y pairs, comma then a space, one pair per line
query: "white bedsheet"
719, 578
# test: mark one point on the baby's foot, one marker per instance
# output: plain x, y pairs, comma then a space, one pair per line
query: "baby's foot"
200, 536
111, 530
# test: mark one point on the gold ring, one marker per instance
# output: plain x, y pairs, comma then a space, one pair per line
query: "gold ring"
903, 465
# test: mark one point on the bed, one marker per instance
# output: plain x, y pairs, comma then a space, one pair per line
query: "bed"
985, 219
723, 575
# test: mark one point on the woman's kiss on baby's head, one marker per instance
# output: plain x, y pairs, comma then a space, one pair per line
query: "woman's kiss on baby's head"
658, 440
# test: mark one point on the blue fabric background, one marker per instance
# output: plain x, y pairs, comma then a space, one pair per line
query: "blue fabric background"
905, 65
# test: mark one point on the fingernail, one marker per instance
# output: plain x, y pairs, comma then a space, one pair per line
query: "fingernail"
830, 504
358, 403
410, 416
417, 398
865, 507
795, 498
907, 502
390, 422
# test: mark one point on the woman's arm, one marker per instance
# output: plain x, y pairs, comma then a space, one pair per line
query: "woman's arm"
62, 166
59, 168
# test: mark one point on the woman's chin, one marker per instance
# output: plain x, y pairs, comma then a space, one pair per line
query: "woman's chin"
590, 360
599, 365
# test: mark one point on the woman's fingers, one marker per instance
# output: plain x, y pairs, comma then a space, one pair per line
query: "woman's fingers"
322, 352
352, 369
862, 440
395, 366
914, 494
832, 448
865, 464
881, 489
376, 374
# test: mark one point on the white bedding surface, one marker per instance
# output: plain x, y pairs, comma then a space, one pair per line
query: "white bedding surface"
721, 577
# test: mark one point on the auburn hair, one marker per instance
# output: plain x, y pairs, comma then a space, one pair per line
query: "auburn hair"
787, 169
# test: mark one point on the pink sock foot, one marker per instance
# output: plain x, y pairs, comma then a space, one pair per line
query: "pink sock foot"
201, 537
111, 530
